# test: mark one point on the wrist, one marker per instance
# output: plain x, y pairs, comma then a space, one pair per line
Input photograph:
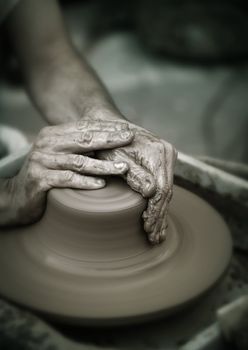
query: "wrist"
65, 89
101, 111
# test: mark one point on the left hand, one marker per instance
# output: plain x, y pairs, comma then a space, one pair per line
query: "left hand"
151, 163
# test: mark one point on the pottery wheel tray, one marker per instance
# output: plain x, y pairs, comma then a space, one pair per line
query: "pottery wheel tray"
87, 261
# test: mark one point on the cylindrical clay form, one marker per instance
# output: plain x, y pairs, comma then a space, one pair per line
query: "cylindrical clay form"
95, 225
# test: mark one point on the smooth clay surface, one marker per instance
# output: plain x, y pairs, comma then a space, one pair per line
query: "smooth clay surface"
88, 261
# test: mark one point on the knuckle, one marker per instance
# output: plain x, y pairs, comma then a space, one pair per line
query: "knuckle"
134, 176
112, 136
82, 124
80, 162
68, 176
86, 137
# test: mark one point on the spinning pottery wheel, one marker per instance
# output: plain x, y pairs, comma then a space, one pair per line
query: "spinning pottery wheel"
87, 260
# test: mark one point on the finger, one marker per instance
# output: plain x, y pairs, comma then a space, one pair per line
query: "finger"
155, 217
151, 216
80, 164
138, 178
160, 229
85, 125
85, 141
69, 179
158, 234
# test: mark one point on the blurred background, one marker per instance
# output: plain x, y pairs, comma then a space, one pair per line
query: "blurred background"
177, 67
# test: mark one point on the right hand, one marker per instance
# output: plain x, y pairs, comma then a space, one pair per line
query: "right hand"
59, 158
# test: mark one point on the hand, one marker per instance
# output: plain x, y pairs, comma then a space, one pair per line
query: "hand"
66, 89
59, 159
151, 163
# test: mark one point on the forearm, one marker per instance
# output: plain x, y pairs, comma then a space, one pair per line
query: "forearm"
37, 32
50, 64
69, 90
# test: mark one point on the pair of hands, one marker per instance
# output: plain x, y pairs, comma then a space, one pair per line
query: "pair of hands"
59, 158
69, 94
64, 88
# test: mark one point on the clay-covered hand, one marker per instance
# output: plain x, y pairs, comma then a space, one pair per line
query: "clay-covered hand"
151, 163
59, 159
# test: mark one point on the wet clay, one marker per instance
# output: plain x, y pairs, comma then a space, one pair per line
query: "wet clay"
88, 261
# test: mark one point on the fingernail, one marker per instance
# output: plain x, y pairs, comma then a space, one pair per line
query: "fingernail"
148, 184
145, 215
100, 182
151, 239
158, 238
163, 234
126, 135
120, 165
149, 187
147, 228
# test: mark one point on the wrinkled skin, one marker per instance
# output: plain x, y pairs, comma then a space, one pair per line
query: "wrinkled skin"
151, 163
59, 159
150, 159
64, 88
